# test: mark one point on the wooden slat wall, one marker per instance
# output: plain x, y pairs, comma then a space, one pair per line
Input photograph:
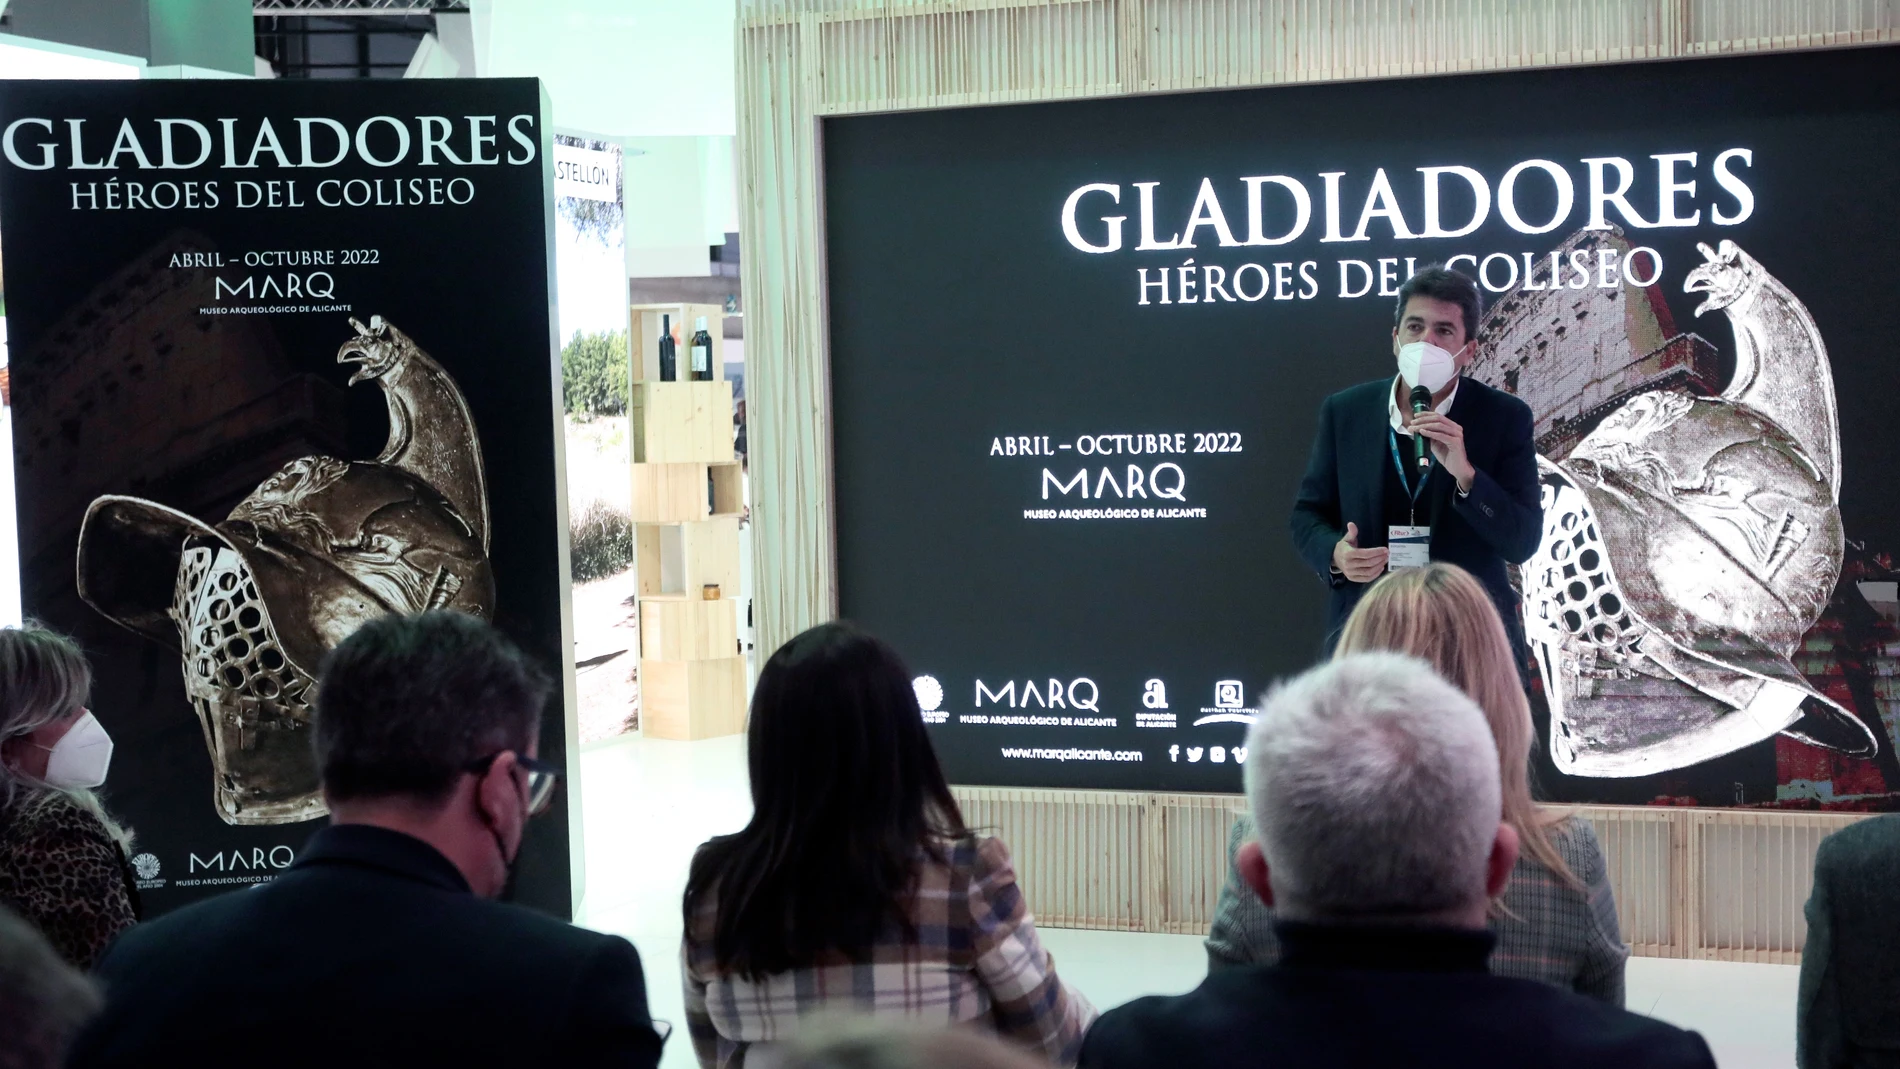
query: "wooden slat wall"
1723, 884
1691, 883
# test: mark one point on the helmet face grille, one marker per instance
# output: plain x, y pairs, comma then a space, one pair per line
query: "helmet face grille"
252, 701
1573, 603
1570, 586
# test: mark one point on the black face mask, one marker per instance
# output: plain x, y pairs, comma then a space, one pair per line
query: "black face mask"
511, 864
514, 869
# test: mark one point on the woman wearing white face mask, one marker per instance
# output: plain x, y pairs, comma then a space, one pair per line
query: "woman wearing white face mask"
62, 859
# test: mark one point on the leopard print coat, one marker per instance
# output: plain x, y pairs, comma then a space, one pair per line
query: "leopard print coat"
62, 871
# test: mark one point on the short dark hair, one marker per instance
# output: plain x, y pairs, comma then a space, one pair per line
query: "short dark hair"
1442, 283
407, 703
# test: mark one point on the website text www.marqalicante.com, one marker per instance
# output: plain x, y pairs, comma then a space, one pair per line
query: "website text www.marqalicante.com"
1038, 753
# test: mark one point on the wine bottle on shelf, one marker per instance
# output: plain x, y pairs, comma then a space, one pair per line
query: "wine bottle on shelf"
712, 495
669, 354
702, 351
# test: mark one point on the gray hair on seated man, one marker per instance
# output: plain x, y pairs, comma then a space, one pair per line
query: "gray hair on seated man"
1374, 788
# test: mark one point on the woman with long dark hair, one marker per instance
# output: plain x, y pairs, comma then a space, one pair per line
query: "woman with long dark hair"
62, 858
856, 885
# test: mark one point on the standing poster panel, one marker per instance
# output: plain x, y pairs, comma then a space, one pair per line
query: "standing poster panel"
1078, 352
282, 362
590, 255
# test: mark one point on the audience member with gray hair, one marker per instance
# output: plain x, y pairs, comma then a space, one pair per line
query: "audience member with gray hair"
1556, 921
43, 1000
1375, 790
1376, 799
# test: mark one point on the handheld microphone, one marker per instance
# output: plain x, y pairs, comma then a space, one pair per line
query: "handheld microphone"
1421, 403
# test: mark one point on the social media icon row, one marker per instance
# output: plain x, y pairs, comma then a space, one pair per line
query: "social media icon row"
1215, 754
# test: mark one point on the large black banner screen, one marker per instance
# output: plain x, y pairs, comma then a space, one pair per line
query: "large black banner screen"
1078, 351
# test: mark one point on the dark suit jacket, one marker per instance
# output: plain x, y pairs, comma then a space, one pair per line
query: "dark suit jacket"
1380, 997
1849, 1008
368, 951
1500, 520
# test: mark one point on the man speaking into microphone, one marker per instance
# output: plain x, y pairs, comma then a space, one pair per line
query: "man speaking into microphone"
1424, 466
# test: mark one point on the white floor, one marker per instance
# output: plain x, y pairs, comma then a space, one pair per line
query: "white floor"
647, 804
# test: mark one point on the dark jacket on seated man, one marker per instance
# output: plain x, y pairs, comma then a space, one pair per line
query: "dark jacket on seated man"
1377, 806
370, 950
381, 945
1849, 1009
1346, 996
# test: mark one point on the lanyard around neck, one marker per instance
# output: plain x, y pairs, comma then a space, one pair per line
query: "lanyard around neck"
1412, 489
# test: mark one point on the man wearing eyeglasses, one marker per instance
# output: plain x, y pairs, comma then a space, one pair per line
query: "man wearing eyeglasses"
381, 946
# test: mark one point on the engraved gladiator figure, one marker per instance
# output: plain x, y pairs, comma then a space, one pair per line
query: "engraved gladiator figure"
1690, 542
319, 548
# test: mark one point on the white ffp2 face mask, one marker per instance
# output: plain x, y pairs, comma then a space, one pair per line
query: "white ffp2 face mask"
1423, 364
81, 756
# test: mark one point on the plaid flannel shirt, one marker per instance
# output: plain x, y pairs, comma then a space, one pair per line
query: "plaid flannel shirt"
974, 958
1548, 930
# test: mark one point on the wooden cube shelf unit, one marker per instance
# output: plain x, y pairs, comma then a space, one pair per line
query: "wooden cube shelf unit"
692, 670
682, 558
683, 627
690, 700
688, 494
677, 493
681, 422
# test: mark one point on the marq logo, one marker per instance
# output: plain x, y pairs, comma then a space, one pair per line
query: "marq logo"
277, 857
1055, 696
930, 699
145, 866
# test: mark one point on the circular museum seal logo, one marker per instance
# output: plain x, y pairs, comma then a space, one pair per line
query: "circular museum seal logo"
930, 698
146, 866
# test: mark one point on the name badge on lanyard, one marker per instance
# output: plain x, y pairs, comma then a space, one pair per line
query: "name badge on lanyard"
1408, 546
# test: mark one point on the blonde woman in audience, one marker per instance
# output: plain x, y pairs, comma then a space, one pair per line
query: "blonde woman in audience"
1556, 921
857, 886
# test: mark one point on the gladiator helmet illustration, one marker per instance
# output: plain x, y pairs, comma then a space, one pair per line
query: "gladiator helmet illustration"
319, 548
1690, 541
